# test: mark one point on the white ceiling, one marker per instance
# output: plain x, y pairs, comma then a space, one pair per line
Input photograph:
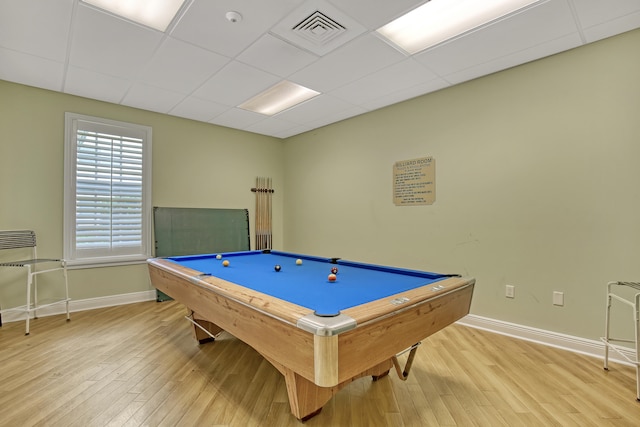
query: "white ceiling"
204, 66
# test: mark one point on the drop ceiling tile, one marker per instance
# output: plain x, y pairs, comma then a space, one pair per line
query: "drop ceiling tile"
540, 24
355, 60
204, 23
181, 67
31, 70
37, 27
270, 126
198, 109
317, 108
151, 98
237, 118
595, 12
235, 83
276, 56
405, 94
94, 85
392, 79
613, 27
296, 130
109, 45
337, 117
536, 52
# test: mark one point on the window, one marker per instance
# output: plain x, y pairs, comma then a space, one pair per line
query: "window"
107, 209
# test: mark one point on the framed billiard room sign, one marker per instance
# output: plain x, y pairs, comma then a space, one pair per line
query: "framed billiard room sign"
414, 182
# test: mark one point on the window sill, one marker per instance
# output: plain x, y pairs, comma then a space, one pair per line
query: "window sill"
104, 262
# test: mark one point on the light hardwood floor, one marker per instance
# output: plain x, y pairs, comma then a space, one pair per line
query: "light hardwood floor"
137, 365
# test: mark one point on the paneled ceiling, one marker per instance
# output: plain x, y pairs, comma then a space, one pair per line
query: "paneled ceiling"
204, 66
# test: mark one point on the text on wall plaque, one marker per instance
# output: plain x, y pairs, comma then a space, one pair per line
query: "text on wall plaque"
414, 182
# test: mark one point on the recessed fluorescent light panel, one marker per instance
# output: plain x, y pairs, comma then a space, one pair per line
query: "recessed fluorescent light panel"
278, 98
156, 14
439, 20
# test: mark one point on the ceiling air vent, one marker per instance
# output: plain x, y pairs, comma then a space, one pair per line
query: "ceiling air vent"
317, 27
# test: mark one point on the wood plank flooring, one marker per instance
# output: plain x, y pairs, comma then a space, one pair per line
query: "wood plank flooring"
137, 365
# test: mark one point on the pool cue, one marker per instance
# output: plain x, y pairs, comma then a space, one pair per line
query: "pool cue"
264, 216
262, 203
271, 191
269, 194
262, 213
259, 212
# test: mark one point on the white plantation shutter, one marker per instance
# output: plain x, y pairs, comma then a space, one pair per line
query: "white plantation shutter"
107, 191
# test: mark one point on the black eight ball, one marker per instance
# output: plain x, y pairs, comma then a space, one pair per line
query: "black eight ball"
277, 267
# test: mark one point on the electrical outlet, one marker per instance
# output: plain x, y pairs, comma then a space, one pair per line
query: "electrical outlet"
558, 298
510, 291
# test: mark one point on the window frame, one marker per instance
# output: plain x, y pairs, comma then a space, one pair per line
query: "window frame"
80, 258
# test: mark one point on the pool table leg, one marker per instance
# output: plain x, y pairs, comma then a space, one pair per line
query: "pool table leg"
307, 399
379, 376
198, 332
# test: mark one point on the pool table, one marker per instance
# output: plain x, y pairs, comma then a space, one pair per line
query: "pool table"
320, 334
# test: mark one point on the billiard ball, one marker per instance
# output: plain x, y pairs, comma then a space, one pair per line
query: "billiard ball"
225, 263
332, 277
298, 262
277, 268
218, 256
334, 270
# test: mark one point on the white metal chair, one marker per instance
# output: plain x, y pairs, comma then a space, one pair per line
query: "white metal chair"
19, 239
634, 304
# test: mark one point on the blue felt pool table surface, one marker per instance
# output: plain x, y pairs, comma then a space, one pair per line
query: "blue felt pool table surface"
307, 285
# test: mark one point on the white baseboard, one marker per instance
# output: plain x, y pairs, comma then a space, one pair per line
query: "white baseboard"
84, 304
584, 346
594, 348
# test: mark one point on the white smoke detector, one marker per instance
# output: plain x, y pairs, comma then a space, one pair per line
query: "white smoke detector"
233, 16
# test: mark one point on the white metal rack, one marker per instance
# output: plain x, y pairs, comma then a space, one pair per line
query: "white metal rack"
612, 287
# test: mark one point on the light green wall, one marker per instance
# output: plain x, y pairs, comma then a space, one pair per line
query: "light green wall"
194, 165
537, 186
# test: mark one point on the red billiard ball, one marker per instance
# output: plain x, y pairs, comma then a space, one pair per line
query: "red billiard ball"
225, 263
332, 277
277, 268
334, 270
